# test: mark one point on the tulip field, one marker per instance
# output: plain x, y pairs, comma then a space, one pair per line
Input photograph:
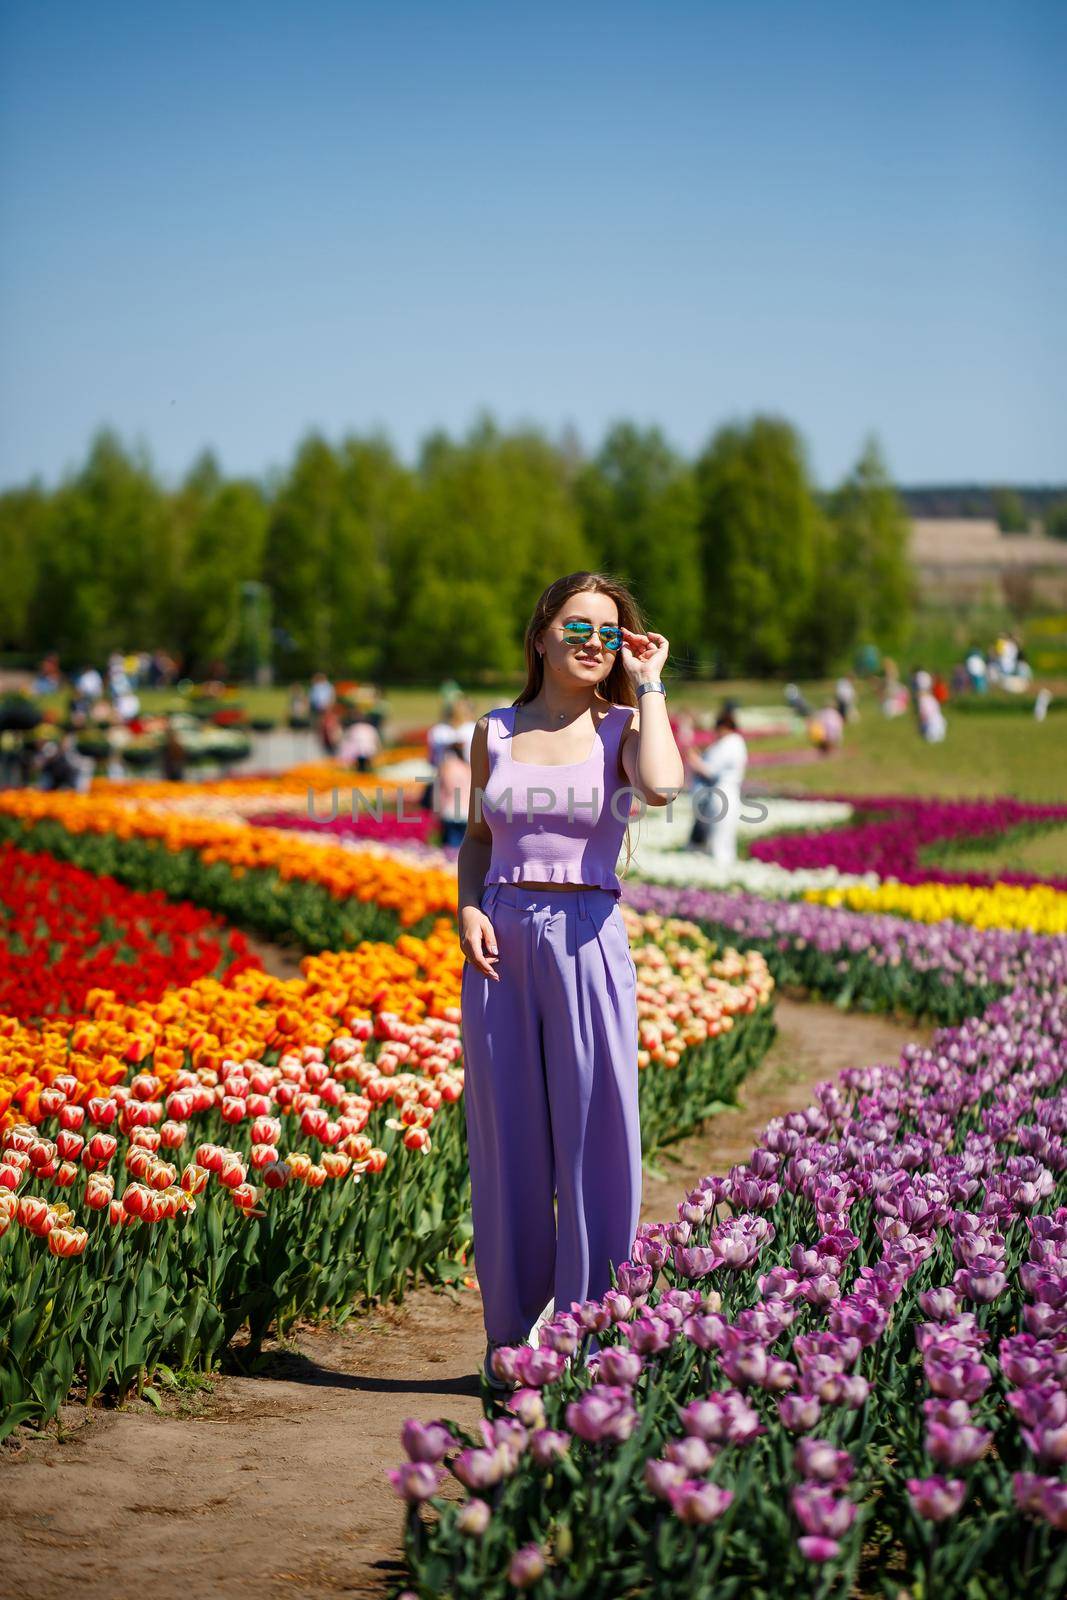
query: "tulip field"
840, 1368
193, 1152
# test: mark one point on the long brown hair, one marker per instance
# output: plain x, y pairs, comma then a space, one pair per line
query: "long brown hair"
616, 687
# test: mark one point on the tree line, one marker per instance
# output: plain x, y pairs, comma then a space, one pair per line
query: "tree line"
377, 569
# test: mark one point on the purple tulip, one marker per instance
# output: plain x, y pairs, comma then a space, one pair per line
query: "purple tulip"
416, 1480
799, 1412
619, 1366
821, 1513
939, 1303
526, 1566
481, 1469
602, 1413
698, 1503
695, 1261
425, 1441
936, 1498
817, 1458
473, 1518
957, 1447
546, 1444
662, 1476
692, 1453
815, 1548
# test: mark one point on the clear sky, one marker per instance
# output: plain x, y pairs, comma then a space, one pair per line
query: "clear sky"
224, 224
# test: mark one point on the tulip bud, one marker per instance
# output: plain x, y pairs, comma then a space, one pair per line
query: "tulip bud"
99, 1189
244, 1196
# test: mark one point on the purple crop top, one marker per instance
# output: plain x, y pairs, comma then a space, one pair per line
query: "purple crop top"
558, 828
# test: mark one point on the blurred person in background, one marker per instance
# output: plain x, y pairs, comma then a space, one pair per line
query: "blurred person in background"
826, 730
453, 792
329, 729
932, 724
685, 737
173, 756
976, 670
723, 769
360, 743
845, 697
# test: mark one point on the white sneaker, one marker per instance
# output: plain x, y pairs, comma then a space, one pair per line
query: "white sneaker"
546, 1316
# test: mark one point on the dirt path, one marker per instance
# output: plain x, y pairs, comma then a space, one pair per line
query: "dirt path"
274, 1486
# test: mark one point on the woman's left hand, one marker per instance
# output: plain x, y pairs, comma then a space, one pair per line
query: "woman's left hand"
644, 655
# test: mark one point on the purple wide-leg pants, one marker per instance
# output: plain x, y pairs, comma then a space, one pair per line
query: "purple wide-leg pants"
550, 1091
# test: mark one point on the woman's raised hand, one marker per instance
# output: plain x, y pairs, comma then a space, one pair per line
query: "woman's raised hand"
478, 941
644, 654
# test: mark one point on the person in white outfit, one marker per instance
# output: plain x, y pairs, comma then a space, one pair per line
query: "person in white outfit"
724, 767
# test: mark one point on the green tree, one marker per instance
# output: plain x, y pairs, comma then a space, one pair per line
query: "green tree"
640, 514
1010, 511
24, 518
224, 549
1056, 520
101, 580
868, 588
327, 554
761, 530
493, 523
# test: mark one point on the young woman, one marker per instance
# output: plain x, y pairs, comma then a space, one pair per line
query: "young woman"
549, 986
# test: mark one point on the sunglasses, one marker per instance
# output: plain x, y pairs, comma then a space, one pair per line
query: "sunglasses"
582, 632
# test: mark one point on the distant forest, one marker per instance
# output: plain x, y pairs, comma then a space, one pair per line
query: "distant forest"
978, 499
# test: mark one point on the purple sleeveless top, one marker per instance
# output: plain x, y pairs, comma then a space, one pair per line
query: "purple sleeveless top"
556, 824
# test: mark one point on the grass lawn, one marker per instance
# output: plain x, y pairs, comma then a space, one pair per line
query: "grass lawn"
1043, 854
994, 754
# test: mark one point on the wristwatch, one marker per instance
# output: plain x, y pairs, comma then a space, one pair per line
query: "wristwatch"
657, 687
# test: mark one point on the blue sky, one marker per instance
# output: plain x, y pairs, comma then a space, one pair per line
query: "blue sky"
227, 224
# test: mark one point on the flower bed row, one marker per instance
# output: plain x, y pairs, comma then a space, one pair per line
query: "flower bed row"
945, 971
841, 1368
187, 1191
65, 932
378, 884
261, 890
894, 832
1039, 907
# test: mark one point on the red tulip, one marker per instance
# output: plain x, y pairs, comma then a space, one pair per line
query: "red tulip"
137, 1200
68, 1144
67, 1242
99, 1190
102, 1146
36, 1215
194, 1179
233, 1172
65, 1174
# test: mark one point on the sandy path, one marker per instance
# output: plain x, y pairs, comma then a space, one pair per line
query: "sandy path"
274, 1486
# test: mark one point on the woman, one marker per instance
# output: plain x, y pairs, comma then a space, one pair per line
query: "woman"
723, 769
549, 988
453, 789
